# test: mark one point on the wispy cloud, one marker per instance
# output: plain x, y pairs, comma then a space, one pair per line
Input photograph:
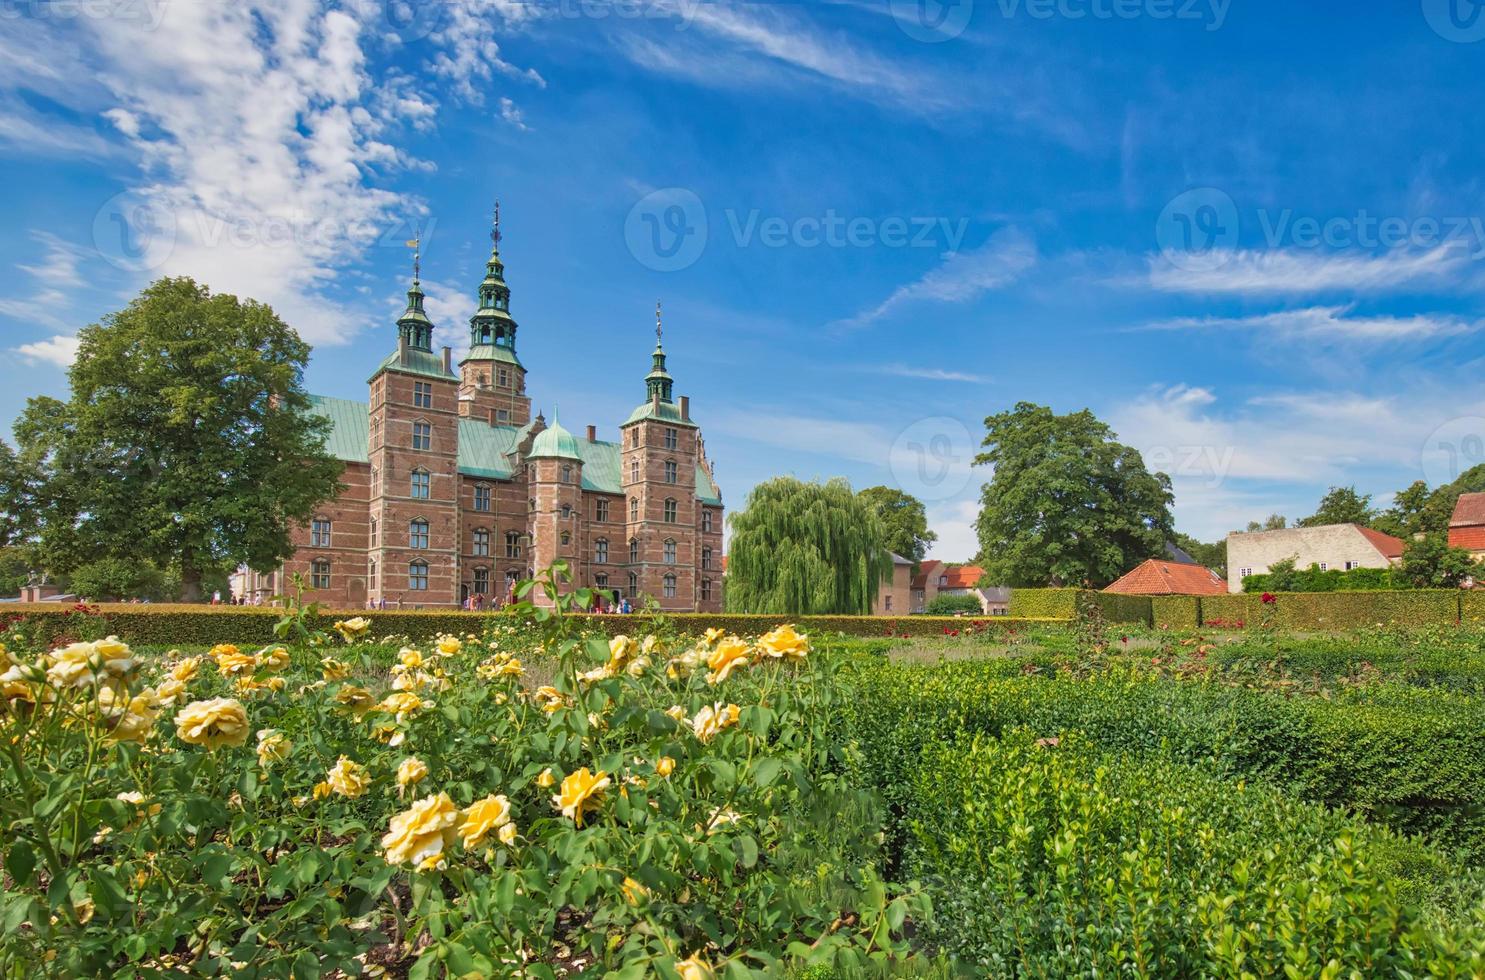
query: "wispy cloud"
1301, 272
1331, 323
53, 275
60, 350
961, 278
926, 373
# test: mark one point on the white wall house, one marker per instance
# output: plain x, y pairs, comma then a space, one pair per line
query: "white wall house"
1333, 546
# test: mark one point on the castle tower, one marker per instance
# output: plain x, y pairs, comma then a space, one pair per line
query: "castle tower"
555, 474
492, 380
413, 450
658, 454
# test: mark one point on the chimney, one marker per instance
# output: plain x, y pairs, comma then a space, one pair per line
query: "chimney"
592, 433
685, 408
401, 348
655, 402
448, 359
492, 416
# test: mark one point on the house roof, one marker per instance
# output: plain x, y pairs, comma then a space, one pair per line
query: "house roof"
1468, 510
898, 559
1389, 546
964, 576
484, 449
1469, 538
1157, 577
930, 567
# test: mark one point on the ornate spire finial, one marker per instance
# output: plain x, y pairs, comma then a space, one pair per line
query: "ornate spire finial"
495, 229
658, 326
417, 246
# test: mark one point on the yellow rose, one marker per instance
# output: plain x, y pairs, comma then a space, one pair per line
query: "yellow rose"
273, 747
546, 780
276, 659
131, 719
334, 670
221, 649
620, 650
357, 699
402, 704
410, 772
351, 628
582, 790
237, 664
728, 655
694, 967
449, 645
408, 657
419, 834
117, 658
186, 670
678, 713
484, 817
170, 691
712, 718
665, 765
550, 699
634, 892
213, 723
507, 834
784, 644
348, 778
713, 635
81, 665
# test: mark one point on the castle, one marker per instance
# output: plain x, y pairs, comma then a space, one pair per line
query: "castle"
453, 491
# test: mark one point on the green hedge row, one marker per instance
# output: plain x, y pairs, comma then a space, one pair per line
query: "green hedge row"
1063, 604
1410, 758
1343, 610
1177, 612
1060, 859
185, 625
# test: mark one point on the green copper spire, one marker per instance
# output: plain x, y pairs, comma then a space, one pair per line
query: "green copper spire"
658, 382
492, 326
413, 326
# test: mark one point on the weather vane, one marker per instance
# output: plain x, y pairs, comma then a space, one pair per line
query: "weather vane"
657, 323
416, 244
495, 231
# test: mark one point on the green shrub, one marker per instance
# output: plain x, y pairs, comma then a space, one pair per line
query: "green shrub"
948, 605
1062, 860
1119, 608
1338, 610
1177, 612
1063, 604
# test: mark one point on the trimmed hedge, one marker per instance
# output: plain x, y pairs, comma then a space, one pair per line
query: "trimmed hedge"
1230, 609
1119, 608
1175, 611
187, 625
1342, 610
1063, 604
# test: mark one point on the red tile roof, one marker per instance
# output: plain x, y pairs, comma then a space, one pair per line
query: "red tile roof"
1469, 510
964, 577
1156, 577
1389, 546
1471, 538
930, 567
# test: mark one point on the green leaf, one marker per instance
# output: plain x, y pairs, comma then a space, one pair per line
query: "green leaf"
766, 771
20, 861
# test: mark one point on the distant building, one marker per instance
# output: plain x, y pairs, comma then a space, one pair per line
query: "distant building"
1158, 577
1467, 525
936, 578
893, 595
1331, 546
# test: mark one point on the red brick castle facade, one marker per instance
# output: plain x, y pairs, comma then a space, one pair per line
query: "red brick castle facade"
453, 490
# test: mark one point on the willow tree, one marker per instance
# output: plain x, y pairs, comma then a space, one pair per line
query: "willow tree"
805, 548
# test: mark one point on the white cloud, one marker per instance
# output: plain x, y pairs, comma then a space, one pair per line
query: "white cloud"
60, 350
927, 374
1299, 272
953, 521
512, 114
962, 276
1332, 323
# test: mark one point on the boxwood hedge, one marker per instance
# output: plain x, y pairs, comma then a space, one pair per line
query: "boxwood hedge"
1063, 604
1175, 611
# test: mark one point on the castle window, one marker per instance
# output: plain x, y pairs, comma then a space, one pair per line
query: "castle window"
566, 474
672, 472
531, 504
422, 435
634, 437
634, 471
512, 544
319, 574
319, 533
634, 551
670, 586
422, 394
417, 534
669, 551
634, 508
670, 439
706, 590
600, 551
371, 572
482, 498
417, 576
373, 531
501, 415
566, 538
670, 510
706, 521
502, 378
601, 581
481, 543
420, 485
482, 580
706, 558
633, 586
600, 509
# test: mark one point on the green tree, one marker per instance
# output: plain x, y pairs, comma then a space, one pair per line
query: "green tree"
110, 579
1213, 556
905, 521
1273, 522
15, 570
949, 605
799, 548
1067, 504
1430, 562
1408, 514
1341, 505
186, 441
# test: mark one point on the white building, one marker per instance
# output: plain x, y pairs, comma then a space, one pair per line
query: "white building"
1332, 546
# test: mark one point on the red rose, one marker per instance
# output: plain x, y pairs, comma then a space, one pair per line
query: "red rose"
1269, 599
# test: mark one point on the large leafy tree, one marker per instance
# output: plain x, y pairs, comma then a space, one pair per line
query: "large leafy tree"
1430, 562
1273, 522
799, 548
186, 443
1067, 504
1341, 505
905, 521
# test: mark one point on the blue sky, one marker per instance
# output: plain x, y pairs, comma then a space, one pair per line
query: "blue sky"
1251, 236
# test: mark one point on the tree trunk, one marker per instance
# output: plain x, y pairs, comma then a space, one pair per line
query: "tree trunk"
190, 580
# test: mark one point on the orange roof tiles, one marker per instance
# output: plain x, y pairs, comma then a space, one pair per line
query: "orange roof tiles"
1157, 577
1470, 509
1389, 546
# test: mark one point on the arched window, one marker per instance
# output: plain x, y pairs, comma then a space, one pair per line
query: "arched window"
669, 551
670, 510
417, 534
481, 497
634, 508
633, 550
670, 586
566, 511
672, 472
319, 533
633, 586
319, 574
417, 576
421, 485
706, 558
481, 542
371, 572
566, 538
374, 539
512, 544
634, 471
600, 551
706, 590
532, 504
566, 474
422, 435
